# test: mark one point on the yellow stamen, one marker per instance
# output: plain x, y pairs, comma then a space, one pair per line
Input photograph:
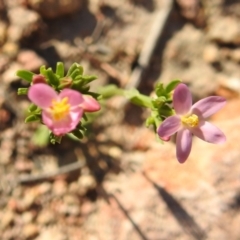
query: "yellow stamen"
190, 121
60, 109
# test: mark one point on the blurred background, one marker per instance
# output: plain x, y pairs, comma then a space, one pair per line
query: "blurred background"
120, 182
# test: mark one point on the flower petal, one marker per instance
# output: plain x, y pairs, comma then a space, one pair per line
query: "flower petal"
65, 125
184, 144
74, 97
166, 139
42, 95
182, 99
209, 133
208, 106
169, 126
90, 104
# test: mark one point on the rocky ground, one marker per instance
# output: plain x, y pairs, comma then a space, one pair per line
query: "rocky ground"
120, 183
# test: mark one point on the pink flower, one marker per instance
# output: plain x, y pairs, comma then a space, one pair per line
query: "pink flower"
61, 112
191, 120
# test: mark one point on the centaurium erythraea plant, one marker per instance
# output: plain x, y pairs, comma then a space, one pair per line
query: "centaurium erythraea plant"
190, 120
60, 100
62, 112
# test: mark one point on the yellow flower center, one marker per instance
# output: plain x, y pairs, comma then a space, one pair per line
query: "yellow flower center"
60, 109
190, 121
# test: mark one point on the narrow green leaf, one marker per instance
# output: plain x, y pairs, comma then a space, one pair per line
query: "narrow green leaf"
75, 73
60, 70
77, 134
171, 86
52, 78
80, 69
22, 91
32, 107
72, 68
159, 89
85, 89
43, 70
32, 118
88, 78
26, 75
78, 77
166, 111
85, 118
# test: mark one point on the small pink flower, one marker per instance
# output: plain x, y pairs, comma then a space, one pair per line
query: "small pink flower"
61, 112
191, 120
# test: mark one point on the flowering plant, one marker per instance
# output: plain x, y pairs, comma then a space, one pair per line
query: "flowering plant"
60, 102
190, 120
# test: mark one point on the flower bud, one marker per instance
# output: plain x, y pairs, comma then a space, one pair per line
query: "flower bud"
66, 82
90, 104
38, 79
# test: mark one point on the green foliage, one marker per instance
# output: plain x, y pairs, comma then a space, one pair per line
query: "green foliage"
41, 136
60, 70
138, 99
55, 139
73, 79
32, 108
32, 118
110, 90
162, 104
26, 75
52, 78
172, 85
22, 91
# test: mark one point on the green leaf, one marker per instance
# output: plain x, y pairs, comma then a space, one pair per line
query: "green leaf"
159, 102
43, 70
171, 86
72, 68
41, 136
110, 91
166, 111
52, 77
84, 116
77, 134
88, 78
22, 91
32, 107
26, 75
80, 69
55, 139
159, 89
149, 121
32, 118
85, 89
75, 73
139, 99
60, 70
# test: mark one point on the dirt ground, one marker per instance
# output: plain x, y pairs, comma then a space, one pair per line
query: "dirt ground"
120, 183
